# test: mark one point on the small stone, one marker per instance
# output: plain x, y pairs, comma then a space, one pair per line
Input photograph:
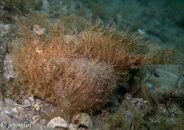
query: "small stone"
25, 104
17, 110
37, 107
9, 102
35, 119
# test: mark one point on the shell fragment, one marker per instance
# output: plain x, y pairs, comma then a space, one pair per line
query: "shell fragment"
57, 122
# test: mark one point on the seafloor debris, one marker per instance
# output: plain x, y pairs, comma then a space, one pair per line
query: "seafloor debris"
81, 121
58, 122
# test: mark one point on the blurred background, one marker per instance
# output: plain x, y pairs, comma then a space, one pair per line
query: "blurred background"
160, 21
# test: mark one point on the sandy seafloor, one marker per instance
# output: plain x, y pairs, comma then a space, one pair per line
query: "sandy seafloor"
161, 22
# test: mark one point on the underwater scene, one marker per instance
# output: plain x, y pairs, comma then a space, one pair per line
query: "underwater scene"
91, 64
